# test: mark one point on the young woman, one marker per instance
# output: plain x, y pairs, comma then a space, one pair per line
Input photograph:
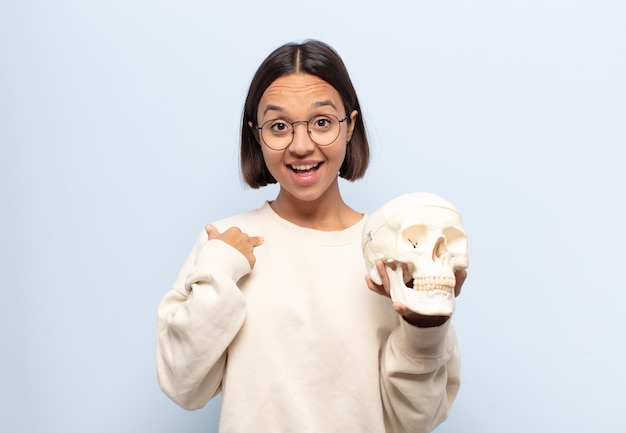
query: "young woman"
271, 307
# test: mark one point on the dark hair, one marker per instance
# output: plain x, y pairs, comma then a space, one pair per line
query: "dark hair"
310, 57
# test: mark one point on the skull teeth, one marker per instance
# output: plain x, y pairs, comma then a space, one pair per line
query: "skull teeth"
427, 284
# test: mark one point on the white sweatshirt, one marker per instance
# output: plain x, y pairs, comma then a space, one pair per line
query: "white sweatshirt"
299, 344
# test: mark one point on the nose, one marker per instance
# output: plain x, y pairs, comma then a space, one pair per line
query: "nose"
440, 250
301, 142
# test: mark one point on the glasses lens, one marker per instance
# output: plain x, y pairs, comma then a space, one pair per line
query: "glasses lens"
277, 134
324, 129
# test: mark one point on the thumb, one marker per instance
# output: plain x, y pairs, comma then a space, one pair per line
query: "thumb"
460, 276
212, 231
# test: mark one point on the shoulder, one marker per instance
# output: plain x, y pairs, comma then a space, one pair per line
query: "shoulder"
245, 221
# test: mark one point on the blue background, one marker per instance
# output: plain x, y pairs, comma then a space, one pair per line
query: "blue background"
119, 127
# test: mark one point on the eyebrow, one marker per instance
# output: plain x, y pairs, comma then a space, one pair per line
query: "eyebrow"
272, 108
325, 103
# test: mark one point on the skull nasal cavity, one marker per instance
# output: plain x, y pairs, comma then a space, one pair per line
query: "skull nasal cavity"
440, 249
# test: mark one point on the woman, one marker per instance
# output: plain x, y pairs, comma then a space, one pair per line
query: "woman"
271, 306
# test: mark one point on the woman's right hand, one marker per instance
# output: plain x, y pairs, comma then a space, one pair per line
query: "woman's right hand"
237, 239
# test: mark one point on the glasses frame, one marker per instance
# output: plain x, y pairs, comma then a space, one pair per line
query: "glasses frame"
293, 130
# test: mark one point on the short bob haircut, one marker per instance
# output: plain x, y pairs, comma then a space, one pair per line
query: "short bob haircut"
314, 58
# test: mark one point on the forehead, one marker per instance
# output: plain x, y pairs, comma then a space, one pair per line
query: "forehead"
299, 92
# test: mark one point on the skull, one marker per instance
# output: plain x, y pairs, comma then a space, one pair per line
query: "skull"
420, 239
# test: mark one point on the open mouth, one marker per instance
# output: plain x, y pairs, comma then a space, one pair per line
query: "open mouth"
304, 168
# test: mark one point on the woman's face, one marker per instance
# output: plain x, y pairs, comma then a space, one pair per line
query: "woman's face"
304, 170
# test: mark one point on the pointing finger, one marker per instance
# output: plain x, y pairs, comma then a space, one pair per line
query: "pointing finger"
255, 241
212, 231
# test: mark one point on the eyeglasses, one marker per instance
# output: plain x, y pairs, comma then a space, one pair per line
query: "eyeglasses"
277, 134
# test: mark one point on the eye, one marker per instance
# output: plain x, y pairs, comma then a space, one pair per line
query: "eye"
278, 126
321, 122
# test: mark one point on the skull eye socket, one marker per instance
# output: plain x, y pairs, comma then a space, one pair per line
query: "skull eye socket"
414, 235
455, 239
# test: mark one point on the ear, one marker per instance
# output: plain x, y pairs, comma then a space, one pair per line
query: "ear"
255, 132
353, 117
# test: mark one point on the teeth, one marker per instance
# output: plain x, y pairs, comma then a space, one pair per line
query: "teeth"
427, 284
304, 167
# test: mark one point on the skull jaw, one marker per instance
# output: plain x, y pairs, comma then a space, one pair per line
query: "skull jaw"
426, 302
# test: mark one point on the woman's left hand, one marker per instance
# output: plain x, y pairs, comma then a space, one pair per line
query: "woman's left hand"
410, 316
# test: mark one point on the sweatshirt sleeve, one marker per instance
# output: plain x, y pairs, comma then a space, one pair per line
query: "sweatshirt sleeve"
196, 321
420, 377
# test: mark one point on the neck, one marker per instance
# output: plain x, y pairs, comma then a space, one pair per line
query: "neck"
328, 213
